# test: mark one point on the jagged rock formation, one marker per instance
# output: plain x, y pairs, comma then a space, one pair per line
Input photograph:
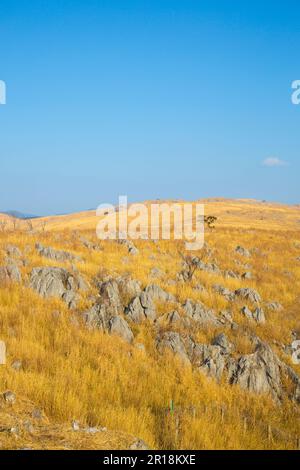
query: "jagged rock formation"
200, 314
257, 315
242, 251
143, 306
57, 282
259, 372
10, 273
57, 255
248, 294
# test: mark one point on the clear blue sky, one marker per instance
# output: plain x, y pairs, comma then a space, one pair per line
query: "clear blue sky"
153, 99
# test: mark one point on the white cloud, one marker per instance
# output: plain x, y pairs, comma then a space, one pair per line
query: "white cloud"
274, 161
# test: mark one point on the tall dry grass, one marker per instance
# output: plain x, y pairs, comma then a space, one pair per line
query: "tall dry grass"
73, 373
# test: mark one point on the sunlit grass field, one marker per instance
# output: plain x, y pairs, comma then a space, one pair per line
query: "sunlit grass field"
72, 373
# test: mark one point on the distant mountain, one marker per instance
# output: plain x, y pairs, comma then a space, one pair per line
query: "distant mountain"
20, 215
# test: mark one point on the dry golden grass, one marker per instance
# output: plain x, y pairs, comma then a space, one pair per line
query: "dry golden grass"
72, 373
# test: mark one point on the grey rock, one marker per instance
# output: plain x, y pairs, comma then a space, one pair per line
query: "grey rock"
157, 293
209, 268
247, 275
37, 414
129, 287
75, 425
173, 342
13, 251
247, 312
10, 273
156, 272
209, 359
57, 255
143, 306
98, 316
222, 341
92, 430
110, 294
242, 251
259, 315
248, 294
221, 290
71, 298
9, 397
140, 347
103, 317
231, 274
199, 313
56, 282
118, 326
226, 316
173, 317
135, 311
28, 426
139, 444
275, 306
258, 372
17, 365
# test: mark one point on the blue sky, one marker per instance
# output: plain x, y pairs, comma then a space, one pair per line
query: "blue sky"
153, 99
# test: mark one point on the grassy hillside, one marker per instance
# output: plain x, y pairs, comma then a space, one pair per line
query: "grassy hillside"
73, 373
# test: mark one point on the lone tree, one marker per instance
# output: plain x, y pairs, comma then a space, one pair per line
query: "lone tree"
210, 220
190, 264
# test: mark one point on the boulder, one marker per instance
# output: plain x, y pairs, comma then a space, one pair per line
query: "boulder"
56, 282
17, 365
103, 317
247, 275
173, 342
248, 294
139, 444
224, 344
143, 306
135, 311
118, 326
173, 317
221, 290
57, 255
209, 359
231, 274
199, 313
9, 397
275, 306
258, 372
10, 273
247, 312
13, 251
156, 272
258, 315
110, 294
242, 251
128, 287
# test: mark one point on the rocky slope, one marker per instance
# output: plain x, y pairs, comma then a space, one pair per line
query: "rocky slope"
103, 335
